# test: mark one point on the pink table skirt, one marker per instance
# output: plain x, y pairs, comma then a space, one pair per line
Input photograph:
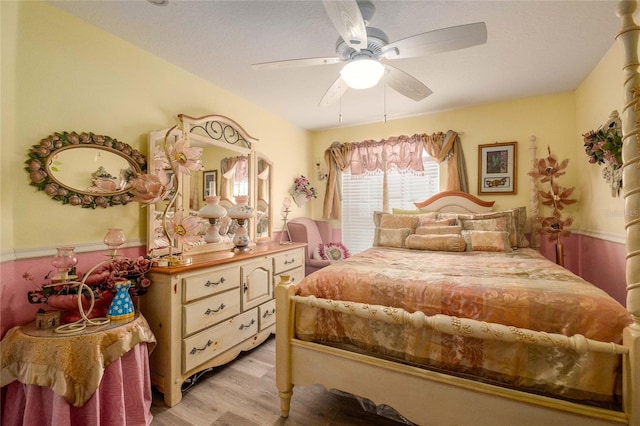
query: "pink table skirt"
123, 398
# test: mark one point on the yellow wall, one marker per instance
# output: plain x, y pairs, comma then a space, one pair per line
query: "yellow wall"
82, 78
557, 121
61, 74
551, 119
596, 98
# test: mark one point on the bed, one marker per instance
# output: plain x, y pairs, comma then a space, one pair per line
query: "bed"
502, 337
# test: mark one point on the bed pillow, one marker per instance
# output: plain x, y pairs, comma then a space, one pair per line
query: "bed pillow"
520, 219
418, 212
334, 252
487, 241
386, 237
399, 221
438, 230
495, 221
427, 221
446, 242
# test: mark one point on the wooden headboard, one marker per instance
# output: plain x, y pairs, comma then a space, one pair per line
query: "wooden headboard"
455, 202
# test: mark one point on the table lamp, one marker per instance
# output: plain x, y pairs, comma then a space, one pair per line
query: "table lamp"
213, 211
241, 212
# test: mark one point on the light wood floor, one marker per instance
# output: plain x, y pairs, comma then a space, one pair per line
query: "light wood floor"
243, 393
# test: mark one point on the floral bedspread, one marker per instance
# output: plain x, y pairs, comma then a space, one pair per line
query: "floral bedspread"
521, 289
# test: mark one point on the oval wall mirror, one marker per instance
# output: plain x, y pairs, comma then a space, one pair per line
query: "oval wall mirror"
84, 169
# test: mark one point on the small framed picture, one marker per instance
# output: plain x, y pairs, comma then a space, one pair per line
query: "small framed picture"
209, 183
497, 168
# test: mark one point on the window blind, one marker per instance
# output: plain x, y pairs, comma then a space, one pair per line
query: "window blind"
362, 195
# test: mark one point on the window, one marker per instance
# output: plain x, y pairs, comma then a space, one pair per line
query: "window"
362, 195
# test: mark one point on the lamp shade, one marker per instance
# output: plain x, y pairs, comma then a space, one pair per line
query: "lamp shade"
212, 210
241, 210
362, 73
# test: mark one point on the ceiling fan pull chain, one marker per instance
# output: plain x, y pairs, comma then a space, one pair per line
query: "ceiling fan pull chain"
384, 101
340, 110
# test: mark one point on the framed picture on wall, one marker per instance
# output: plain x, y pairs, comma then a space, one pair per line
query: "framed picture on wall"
497, 168
209, 183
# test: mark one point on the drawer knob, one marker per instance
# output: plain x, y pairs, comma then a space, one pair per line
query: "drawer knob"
243, 326
211, 283
268, 313
213, 311
289, 262
196, 350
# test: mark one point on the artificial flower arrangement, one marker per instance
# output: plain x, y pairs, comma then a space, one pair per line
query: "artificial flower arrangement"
604, 146
153, 188
101, 282
302, 190
557, 197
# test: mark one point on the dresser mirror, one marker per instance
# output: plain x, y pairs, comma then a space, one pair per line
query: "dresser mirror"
230, 168
84, 169
264, 206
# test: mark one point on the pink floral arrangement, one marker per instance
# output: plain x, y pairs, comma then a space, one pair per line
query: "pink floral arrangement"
301, 185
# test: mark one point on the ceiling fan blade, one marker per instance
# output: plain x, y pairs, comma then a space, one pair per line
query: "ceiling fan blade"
405, 84
346, 17
437, 41
334, 92
304, 62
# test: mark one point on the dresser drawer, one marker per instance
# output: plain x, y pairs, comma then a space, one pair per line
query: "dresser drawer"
267, 314
210, 282
296, 276
211, 342
207, 312
289, 260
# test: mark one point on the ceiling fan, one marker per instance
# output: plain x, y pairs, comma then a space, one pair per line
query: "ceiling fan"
366, 51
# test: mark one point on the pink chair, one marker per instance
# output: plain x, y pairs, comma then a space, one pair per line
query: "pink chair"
313, 233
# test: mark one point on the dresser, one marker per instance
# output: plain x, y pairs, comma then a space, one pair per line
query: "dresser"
204, 314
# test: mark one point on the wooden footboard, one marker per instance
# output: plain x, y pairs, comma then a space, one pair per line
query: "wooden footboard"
422, 396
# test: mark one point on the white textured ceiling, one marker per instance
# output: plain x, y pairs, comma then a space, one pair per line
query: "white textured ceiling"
533, 48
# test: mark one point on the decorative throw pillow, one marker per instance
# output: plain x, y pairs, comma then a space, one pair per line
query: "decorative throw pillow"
438, 230
487, 241
399, 221
334, 252
494, 221
447, 242
385, 237
419, 212
520, 219
436, 222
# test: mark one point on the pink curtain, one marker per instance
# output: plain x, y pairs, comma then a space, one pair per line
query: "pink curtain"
403, 153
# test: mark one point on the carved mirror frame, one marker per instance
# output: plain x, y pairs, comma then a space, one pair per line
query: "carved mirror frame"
42, 167
208, 132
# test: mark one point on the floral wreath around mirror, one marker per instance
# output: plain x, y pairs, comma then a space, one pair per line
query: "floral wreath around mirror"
110, 190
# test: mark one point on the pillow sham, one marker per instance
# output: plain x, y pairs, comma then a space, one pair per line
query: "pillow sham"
493, 221
418, 212
386, 237
520, 219
399, 221
487, 241
445, 242
334, 252
438, 230
425, 221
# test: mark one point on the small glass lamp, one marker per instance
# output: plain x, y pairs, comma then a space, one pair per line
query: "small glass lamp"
64, 261
213, 211
241, 212
113, 240
284, 212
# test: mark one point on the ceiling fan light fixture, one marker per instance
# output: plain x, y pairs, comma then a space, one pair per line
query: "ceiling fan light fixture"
362, 73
